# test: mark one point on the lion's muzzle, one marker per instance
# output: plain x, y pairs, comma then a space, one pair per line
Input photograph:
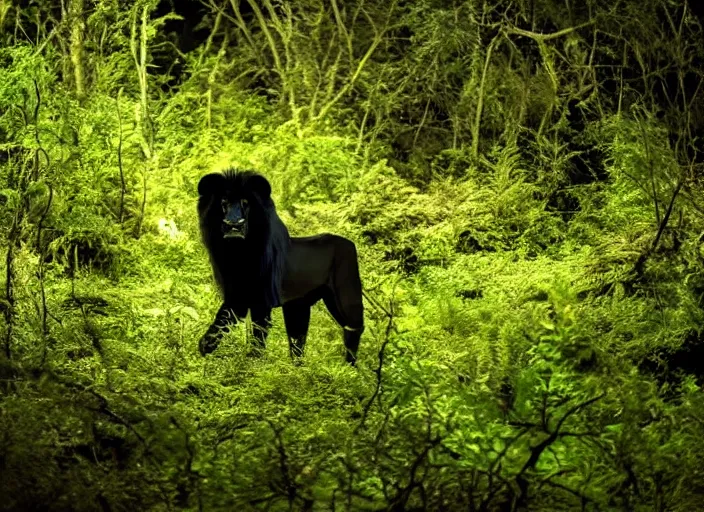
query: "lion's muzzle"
234, 229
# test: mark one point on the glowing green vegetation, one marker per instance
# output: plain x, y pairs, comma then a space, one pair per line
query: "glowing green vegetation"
522, 180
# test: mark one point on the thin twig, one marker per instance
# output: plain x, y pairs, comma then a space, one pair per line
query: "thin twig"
547, 37
40, 250
119, 158
378, 370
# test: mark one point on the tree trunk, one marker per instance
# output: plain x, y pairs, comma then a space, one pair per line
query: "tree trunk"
77, 24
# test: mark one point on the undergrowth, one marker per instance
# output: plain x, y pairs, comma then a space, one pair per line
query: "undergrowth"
532, 338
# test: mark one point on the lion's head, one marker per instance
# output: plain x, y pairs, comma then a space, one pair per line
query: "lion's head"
237, 201
239, 224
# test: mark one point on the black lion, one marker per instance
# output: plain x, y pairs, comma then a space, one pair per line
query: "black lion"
258, 266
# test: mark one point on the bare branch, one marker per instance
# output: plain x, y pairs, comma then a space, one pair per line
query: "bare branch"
360, 66
377, 371
547, 37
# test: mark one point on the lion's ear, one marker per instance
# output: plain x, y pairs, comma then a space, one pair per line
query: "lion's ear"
260, 186
210, 183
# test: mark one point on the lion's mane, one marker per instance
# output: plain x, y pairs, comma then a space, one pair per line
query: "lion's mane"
250, 271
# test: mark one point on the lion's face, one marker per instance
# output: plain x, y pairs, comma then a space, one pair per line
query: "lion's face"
235, 217
233, 205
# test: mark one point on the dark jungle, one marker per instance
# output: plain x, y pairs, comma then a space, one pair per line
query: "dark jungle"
326, 255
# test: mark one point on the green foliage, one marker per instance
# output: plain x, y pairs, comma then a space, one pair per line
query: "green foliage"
310, 168
533, 328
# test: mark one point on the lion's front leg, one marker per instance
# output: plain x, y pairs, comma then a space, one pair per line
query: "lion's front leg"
261, 321
224, 318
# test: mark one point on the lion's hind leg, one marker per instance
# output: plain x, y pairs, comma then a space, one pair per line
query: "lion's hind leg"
352, 337
346, 291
